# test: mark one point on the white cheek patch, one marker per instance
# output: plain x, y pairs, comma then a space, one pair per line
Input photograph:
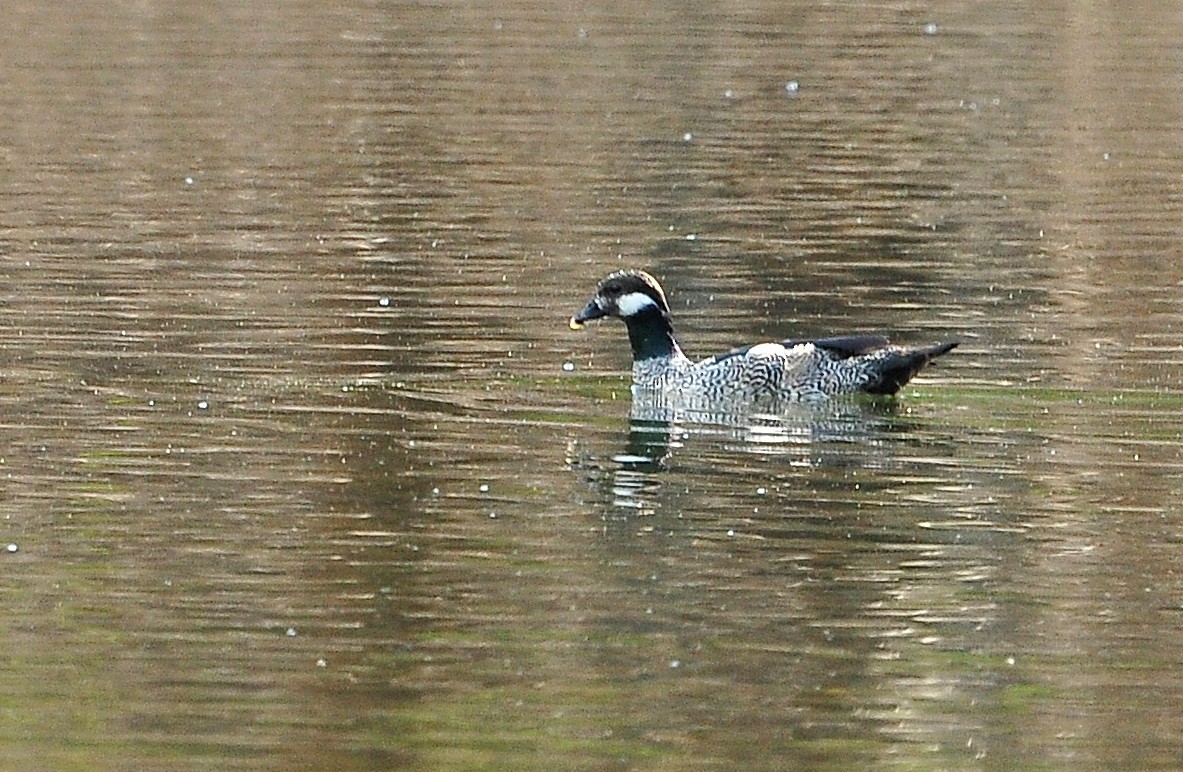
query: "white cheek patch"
634, 303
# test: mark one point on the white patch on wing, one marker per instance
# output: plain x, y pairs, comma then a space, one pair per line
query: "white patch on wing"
766, 351
634, 303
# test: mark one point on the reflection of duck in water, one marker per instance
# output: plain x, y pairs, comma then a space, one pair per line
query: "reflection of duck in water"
632, 473
789, 371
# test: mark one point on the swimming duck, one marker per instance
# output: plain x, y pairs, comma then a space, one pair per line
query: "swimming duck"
792, 370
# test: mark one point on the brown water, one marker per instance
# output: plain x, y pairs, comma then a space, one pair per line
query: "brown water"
294, 476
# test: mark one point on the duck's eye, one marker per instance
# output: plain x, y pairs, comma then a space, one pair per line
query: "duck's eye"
612, 290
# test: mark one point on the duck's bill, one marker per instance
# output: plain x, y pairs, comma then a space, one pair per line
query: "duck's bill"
589, 312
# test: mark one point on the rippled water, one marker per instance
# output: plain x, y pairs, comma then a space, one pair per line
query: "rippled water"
302, 467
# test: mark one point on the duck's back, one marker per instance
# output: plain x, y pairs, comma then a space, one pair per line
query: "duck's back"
793, 370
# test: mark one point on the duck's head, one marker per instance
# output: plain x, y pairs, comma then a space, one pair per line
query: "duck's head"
628, 295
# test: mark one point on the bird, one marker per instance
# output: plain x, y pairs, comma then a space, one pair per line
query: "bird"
794, 370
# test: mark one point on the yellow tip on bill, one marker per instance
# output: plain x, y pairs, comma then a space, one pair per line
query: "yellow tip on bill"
575, 324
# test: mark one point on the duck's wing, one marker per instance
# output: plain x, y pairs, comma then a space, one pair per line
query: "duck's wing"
839, 348
844, 347
735, 352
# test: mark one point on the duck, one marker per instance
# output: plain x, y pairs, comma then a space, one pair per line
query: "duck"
794, 370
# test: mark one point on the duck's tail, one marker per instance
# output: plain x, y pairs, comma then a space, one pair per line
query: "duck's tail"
898, 367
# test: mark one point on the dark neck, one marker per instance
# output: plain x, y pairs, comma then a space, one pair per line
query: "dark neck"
651, 335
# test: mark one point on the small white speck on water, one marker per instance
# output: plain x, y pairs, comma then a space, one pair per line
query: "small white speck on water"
691, 236
761, 491
12, 547
675, 664
492, 515
188, 180
568, 367
730, 531
729, 94
931, 28
792, 87
687, 137
291, 632
322, 663
384, 302
484, 488
203, 405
